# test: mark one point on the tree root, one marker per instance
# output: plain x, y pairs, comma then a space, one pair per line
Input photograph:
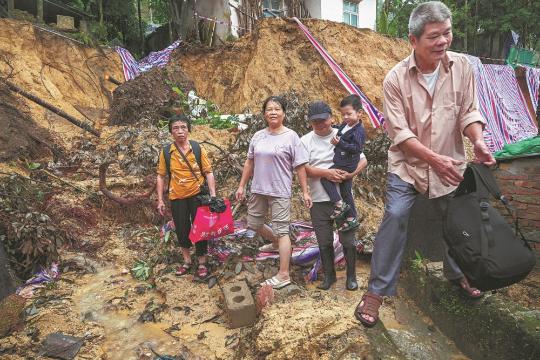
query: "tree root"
130, 200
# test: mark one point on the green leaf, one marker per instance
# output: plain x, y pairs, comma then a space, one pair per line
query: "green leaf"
33, 166
167, 236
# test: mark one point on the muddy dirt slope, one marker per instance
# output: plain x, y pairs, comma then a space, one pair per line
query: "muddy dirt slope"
62, 72
278, 58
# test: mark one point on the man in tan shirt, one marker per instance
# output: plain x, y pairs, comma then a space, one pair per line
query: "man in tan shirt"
429, 104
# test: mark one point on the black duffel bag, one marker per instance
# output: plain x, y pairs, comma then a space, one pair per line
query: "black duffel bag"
482, 243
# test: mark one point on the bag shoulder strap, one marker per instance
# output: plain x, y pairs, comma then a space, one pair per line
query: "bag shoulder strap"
167, 155
196, 147
187, 162
485, 179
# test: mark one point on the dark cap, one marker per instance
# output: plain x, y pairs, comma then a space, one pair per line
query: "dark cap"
319, 110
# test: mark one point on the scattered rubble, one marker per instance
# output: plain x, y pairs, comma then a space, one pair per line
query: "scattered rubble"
63, 191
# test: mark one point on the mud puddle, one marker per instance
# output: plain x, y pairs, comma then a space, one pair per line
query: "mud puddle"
415, 335
126, 310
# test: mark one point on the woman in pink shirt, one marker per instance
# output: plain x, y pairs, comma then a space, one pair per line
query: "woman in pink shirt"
274, 153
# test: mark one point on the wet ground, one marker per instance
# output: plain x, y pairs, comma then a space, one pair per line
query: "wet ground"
123, 318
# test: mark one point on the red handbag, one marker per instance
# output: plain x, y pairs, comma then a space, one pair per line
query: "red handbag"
210, 225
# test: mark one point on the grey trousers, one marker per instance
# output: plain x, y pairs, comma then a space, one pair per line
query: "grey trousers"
392, 237
324, 226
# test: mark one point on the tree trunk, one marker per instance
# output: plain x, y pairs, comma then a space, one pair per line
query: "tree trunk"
39, 10
51, 107
490, 45
100, 10
141, 37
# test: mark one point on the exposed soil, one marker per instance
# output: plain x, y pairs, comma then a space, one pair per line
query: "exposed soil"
96, 296
278, 58
68, 75
21, 137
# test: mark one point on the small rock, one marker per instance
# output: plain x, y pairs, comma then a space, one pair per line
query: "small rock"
89, 316
238, 268
146, 316
116, 301
61, 346
249, 268
289, 290
212, 282
117, 252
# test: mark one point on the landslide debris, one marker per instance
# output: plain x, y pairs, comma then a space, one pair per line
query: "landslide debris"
21, 137
146, 95
62, 72
277, 58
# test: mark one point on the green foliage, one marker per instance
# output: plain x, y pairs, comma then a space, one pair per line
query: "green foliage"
476, 23
207, 112
393, 17
120, 21
418, 261
32, 165
141, 270
30, 237
160, 10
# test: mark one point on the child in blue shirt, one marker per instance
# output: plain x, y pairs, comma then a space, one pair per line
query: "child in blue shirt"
349, 143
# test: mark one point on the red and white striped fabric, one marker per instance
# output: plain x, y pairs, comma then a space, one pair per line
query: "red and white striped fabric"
376, 117
133, 68
502, 104
533, 82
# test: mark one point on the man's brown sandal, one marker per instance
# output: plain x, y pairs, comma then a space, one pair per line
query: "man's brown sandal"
369, 305
466, 289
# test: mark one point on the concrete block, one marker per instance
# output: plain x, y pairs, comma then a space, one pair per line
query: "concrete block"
239, 304
65, 22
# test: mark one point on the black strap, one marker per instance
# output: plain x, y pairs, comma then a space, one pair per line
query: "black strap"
187, 162
167, 155
196, 148
487, 234
483, 176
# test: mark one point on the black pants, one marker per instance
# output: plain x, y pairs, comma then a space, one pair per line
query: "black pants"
345, 187
183, 212
324, 226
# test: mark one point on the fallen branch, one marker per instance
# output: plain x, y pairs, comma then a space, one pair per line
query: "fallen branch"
52, 108
131, 200
113, 80
65, 182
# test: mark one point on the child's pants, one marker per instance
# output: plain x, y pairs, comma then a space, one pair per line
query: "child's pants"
345, 188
